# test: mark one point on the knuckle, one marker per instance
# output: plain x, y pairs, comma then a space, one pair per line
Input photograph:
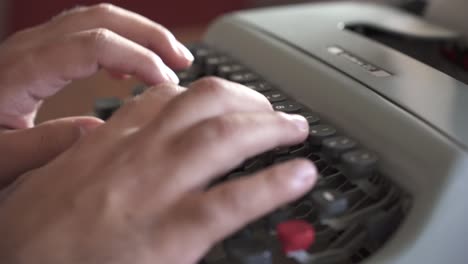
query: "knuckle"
164, 90
165, 33
98, 37
103, 8
152, 60
210, 85
282, 120
230, 199
273, 176
264, 102
207, 212
67, 13
220, 128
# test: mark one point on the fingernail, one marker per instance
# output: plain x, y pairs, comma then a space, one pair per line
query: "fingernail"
171, 75
86, 126
304, 174
185, 52
298, 120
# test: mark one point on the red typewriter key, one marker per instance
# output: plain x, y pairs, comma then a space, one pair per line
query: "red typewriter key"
295, 235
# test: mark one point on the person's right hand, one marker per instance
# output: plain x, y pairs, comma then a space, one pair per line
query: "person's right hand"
135, 189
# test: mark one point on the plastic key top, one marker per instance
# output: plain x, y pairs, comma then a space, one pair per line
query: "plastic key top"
295, 235
312, 119
287, 107
248, 251
259, 86
225, 70
330, 203
359, 164
318, 133
105, 107
243, 77
213, 62
335, 147
274, 96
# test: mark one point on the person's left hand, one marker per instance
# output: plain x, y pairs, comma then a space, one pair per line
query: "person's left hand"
36, 63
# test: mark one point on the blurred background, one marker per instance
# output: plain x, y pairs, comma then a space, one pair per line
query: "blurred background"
174, 14
186, 19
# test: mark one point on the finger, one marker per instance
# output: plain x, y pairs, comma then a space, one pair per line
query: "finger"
217, 145
207, 98
127, 24
27, 149
119, 76
226, 208
143, 108
80, 55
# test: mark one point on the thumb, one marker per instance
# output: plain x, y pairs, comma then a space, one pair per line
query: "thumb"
27, 149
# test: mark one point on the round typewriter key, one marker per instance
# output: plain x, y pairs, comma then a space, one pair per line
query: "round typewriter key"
200, 53
318, 133
330, 203
243, 77
260, 86
248, 251
334, 147
274, 96
311, 118
226, 70
295, 235
359, 164
287, 107
105, 107
212, 63
189, 75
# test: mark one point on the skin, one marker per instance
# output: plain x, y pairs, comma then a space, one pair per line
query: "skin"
132, 190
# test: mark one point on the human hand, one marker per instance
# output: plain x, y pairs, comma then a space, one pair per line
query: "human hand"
135, 190
38, 62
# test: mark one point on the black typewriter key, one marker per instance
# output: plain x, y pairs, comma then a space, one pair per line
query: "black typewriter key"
311, 118
226, 70
287, 107
259, 86
105, 107
248, 251
213, 62
243, 77
359, 164
190, 74
334, 147
318, 133
330, 203
139, 89
200, 53
275, 96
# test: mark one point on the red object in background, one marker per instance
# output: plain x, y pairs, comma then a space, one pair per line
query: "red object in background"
170, 13
295, 235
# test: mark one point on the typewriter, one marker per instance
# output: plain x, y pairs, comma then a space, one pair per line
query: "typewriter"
386, 97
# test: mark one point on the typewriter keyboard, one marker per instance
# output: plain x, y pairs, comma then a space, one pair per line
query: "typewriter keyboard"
353, 210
